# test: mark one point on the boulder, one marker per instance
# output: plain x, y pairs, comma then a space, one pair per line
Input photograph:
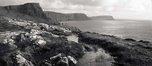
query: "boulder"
43, 26
60, 60
74, 61
21, 61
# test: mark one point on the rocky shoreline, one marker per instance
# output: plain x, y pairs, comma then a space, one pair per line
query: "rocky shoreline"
33, 44
36, 42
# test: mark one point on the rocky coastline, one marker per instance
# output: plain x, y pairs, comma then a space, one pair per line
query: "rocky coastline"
25, 42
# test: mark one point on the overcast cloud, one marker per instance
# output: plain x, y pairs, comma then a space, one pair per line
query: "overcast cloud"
118, 8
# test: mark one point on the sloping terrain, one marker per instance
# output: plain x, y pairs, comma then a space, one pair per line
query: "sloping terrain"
127, 52
26, 43
28, 11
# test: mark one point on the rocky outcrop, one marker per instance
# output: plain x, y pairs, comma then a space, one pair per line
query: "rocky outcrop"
66, 17
33, 44
61, 60
102, 18
126, 52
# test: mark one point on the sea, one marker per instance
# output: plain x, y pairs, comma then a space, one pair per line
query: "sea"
135, 29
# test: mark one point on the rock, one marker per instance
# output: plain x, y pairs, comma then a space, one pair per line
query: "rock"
32, 37
36, 45
34, 32
21, 61
74, 61
60, 60
63, 62
8, 41
40, 42
46, 63
43, 26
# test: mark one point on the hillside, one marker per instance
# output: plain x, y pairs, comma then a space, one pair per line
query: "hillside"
28, 11
126, 52
66, 17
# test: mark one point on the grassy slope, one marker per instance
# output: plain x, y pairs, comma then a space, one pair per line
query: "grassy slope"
126, 53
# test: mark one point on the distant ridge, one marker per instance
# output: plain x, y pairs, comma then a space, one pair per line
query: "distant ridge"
105, 17
66, 17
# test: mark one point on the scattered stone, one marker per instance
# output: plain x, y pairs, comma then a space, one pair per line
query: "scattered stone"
72, 59
43, 26
60, 60
21, 61
40, 42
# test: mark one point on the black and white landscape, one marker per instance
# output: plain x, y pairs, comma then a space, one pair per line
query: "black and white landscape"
31, 34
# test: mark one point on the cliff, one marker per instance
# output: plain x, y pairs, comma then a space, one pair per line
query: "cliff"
28, 11
31, 9
66, 17
102, 17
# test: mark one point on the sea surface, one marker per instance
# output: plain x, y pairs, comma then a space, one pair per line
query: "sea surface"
139, 30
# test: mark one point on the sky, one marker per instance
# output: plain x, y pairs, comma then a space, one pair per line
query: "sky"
120, 9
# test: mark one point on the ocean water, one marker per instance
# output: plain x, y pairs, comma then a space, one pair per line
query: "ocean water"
139, 30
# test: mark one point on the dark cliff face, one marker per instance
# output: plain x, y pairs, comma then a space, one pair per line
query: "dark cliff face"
66, 17
32, 9
28, 11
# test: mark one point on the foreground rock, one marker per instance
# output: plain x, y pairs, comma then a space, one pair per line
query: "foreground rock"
126, 52
26, 43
